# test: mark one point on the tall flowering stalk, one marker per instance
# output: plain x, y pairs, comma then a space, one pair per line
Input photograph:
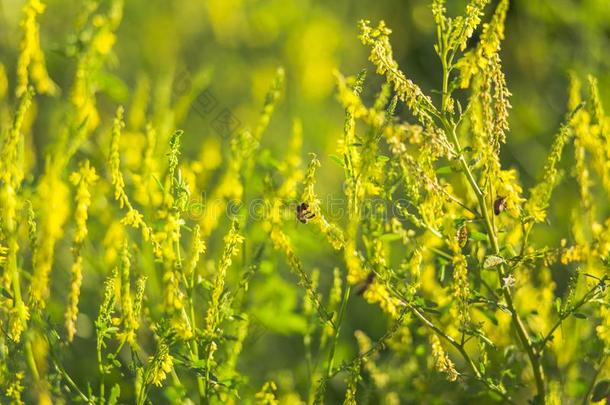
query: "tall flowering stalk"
83, 179
214, 316
11, 169
31, 63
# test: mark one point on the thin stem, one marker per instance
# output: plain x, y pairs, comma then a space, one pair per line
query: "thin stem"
440, 252
600, 367
377, 346
534, 357
29, 354
13, 269
462, 350
522, 333
100, 365
70, 381
588, 297
194, 347
335, 338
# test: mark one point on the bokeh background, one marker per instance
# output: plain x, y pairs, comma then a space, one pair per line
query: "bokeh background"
242, 42
230, 50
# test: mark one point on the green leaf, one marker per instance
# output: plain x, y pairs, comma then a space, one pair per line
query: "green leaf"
337, 160
6, 293
492, 261
558, 305
441, 276
444, 170
113, 86
382, 158
114, 394
580, 315
430, 303
476, 235
389, 237
601, 390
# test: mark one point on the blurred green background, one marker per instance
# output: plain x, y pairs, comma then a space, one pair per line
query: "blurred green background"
233, 47
243, 41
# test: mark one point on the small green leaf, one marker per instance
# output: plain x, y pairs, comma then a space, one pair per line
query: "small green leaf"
444, 170
601, 390
476, 235
6, 293
382, 158
580, 315
441, 276
114, 394
389, 237
337, 160
430, 303
558, 305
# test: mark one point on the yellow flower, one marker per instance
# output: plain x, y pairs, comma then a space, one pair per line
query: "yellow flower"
162, 364
377, 293
441, 359
267, 395
31, 61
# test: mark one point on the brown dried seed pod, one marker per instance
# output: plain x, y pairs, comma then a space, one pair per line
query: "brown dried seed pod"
462, 235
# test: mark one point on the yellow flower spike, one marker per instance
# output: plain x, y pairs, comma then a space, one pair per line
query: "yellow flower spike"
380, 377
133, 217
83, 179
442, 361
540, 194
464, 26
233, 241
382, 57
161, 364
129, 321
377, 293
488, 47
31, 61
53, 211
332, 232
461, 288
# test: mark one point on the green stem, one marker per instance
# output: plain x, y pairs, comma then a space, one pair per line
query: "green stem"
70, 381
333, 343
12, 266
450, 130
194, 347
533, 355
100, 365
462, 350
602, 362
588, 297
29, 354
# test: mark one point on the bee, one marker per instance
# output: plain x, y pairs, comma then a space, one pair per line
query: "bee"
499, 205
366, 283
303, 213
